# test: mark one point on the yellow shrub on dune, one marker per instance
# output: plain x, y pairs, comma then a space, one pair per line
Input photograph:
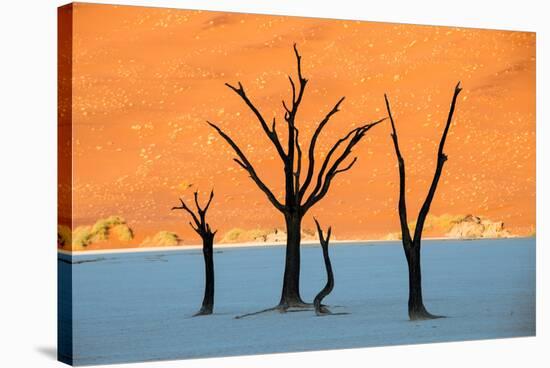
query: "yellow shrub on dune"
233, 235
116, 224
64, 236
161, 239
123, 232
82, 237
102, 230
393, 236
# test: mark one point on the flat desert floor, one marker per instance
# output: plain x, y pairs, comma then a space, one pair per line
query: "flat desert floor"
130, 307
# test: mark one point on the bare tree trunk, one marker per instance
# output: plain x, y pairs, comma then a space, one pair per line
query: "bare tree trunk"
291, 281
208, 252
411, 245
417, 311
202, 228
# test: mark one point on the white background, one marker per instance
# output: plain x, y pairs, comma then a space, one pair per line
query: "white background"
28, 181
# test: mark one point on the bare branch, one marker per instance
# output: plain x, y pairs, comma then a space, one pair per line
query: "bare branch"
441, 159
298, 162
287, 110
302, 80
311, 153
324, 181
244, 163
270, 134
405, 232
293, 89
457, 91
277, 141
320, 176
209, 200
208, 229
322, 239
188, 210
201, 227
196, 196
347, 167
195, 228
290, 115
241, 164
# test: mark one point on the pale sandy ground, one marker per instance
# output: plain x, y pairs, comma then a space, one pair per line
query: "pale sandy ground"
199, 246
237, 245
136, 307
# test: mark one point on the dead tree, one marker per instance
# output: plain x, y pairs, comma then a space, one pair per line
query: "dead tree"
319, 308
202, 228
411, 246
296, 203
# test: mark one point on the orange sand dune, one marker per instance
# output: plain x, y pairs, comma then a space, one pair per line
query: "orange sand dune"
145, 80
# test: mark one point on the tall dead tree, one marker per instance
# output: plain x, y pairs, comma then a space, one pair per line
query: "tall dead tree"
411, 245
202, 228
319, 308
296, 203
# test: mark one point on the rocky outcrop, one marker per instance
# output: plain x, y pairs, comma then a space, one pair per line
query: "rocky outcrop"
277, 236
458, 227
474, 227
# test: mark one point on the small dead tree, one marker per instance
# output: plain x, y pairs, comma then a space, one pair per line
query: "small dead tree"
202, 228
411, 245
320, 309
298, 196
